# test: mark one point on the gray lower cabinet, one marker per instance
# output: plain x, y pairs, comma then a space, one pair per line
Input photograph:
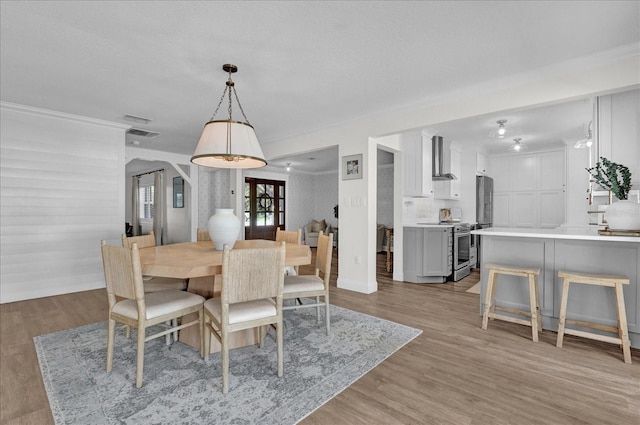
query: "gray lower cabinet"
427, 254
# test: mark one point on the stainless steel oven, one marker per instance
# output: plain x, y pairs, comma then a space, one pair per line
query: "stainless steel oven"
461, 251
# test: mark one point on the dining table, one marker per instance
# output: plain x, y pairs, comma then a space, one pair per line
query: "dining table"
201, 263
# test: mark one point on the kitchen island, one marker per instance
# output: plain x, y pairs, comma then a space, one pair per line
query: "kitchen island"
565, 248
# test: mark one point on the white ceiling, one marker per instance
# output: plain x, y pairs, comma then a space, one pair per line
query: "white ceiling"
303, 66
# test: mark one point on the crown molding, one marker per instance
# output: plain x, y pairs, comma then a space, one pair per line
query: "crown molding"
61, 115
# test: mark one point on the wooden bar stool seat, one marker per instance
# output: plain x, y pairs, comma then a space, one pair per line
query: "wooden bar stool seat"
612, 281
535, 319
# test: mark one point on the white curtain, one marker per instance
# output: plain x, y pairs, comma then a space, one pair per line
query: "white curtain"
135, 202
158, 205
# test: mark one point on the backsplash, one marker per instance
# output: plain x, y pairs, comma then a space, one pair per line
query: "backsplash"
421, 210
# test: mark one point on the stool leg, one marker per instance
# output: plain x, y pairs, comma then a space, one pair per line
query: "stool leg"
563, 311
494, 293
533, 306
622, 324
487, 299
535, 277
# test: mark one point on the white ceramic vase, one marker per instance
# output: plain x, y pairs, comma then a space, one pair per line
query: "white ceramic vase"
224, 228
623, 215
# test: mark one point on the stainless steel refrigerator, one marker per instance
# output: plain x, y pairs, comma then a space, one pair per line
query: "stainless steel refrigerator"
484, 212
484, 201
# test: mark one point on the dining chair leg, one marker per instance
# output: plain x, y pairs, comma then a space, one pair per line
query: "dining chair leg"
140, 356
318, 309
261, 335
279, 340
326, 312
225, 361
206, 336
111, 333
167, 337
127, 331
200, 325
175, 333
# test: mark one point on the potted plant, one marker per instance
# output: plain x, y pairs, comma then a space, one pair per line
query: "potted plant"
624, 214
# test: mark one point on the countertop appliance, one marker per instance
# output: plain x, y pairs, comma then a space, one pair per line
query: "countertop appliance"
450, 215
461, 251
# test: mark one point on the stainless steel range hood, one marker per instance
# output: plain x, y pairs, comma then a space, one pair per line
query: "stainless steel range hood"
437, 160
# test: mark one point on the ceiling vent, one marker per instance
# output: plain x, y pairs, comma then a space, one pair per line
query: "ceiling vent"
142, 133
134, 118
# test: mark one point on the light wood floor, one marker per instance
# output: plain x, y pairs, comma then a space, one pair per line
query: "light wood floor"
453, 373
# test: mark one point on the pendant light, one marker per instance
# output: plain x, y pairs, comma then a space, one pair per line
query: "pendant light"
501, 129
517, 146
228, 143
587, 142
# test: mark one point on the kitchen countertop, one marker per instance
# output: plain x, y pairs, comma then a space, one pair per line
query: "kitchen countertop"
430, 225
576, 233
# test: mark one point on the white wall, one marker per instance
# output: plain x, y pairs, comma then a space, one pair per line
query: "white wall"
62, 191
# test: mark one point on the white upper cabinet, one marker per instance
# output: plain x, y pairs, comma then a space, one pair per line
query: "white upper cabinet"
529, 190
416, 152
482, 164
551, 171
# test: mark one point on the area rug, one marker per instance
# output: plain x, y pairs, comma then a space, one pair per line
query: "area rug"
475, 289
179, 387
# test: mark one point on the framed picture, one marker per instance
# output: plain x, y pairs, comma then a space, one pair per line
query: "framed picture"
352, 167
178, 192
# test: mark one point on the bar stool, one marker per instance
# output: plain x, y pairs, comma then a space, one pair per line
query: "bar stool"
534, 299
611, 281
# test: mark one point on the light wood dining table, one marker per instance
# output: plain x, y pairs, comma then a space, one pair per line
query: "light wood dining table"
201, 263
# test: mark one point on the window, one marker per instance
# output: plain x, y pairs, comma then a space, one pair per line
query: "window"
145, 201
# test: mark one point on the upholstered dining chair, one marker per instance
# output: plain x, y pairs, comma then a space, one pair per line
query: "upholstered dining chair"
154, 283
315, 285
250, 297
289, 236
129, 304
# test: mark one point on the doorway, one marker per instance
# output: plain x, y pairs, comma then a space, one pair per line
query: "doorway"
264, 208
384, 215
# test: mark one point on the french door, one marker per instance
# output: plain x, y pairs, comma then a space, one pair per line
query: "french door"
264, 208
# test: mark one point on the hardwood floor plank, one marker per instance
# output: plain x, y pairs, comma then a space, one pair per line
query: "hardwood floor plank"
453, 373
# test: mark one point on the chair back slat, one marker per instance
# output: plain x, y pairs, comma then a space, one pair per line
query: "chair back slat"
144, 241
122, 271
252, 274
324, 253
289, 236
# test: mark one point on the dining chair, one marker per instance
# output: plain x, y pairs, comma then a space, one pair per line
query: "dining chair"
130, 305
289, 236
250, 297
154, 283
309, 286
203, 235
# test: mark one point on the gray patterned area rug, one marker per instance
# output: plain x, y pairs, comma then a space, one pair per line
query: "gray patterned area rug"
179, 387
